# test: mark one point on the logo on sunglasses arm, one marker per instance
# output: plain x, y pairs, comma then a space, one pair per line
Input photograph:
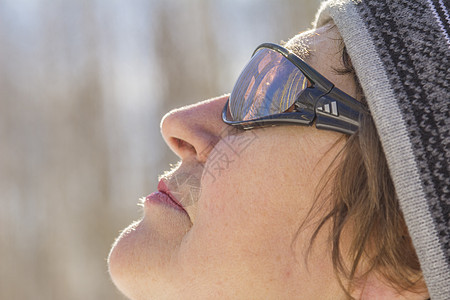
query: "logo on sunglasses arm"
333, 110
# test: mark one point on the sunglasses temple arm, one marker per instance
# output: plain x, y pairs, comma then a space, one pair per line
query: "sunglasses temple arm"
339, 112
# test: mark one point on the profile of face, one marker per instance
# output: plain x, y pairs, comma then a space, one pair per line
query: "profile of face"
244, 226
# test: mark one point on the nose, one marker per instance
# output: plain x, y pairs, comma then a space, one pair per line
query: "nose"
192, 131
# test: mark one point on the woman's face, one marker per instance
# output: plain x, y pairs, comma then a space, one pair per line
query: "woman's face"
244, 196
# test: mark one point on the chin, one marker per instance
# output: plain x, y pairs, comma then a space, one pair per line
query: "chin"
141, 259
122, 260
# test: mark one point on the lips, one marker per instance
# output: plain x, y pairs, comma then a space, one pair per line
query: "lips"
164, 196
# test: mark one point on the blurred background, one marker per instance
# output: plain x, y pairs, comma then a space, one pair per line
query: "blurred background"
83, 87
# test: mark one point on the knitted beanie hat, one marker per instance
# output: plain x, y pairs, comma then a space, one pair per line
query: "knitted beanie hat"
400, 50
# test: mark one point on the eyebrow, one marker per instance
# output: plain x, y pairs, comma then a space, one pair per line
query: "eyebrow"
302, 51
300, 45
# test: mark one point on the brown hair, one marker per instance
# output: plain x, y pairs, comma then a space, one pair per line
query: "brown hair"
363, 200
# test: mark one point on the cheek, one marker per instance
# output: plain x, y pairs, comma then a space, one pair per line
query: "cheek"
265, 166
274, 173
257, 184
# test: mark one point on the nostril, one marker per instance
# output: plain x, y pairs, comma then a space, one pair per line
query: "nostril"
182, 145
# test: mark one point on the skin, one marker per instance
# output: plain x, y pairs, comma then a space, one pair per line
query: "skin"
240, 237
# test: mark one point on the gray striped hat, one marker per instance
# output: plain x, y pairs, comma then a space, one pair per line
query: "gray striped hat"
401, 53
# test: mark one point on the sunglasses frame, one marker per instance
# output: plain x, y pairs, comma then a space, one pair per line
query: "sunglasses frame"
321, 103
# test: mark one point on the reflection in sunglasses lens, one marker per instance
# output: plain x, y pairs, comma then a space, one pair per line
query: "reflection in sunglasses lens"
268, 85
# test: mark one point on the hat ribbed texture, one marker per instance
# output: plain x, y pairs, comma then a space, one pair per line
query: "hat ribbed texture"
401, 53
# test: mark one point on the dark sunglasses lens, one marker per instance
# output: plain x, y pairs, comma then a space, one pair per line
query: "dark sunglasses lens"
269, 85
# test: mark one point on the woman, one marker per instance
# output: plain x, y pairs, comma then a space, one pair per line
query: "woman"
260, 211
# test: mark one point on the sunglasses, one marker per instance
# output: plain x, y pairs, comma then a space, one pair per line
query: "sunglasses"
278, 88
